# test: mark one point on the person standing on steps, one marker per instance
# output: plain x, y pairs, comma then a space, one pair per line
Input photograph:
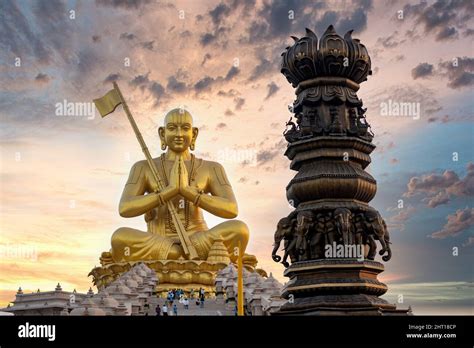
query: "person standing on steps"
202, 300
186, 303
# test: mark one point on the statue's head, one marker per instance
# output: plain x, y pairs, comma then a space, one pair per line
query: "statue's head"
178, 132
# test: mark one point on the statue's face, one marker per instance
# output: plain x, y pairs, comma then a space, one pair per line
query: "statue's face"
178, 133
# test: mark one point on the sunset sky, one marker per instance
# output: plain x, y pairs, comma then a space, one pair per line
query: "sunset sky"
62, 175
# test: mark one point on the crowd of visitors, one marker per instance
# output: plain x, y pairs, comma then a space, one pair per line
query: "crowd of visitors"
178, 296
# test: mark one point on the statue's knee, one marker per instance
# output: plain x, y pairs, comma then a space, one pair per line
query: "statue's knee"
241, 228
118, 237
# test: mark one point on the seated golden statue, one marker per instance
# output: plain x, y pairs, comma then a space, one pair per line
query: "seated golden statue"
191, 184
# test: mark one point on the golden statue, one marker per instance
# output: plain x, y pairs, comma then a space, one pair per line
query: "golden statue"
171, 191
192, 184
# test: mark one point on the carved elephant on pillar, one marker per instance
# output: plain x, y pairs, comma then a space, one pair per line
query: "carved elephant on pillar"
343, 217
285, 231
304, 224
376, 228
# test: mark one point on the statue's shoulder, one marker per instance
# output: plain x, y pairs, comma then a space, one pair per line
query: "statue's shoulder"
140, 168
211, 164
216, 172
140, 164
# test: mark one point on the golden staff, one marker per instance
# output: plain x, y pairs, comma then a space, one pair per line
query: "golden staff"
107, 105
240, 283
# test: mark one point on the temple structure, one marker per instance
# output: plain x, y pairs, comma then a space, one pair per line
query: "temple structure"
133, 294
262, 295
45, 302
331, 237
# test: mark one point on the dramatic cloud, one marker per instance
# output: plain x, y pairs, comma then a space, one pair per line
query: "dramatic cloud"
440, 17
239, 103
391, 41
231, 93
278, 19
175, 86
447, 33
204, 84
218, 36
207, 82
149, 45
439, 199
111, 78
124, 4
207, 56
443, 119
399, 57
17, 35
468, 32
42, 78
267, 155
272, 89
127, 36
398, 220
422, 70
55, 24
461, 220
158, 92
459, 71
246, 180
207, 39
219, 12
263, 68
221, 125
140, 80
469, 242
234, 71
440, 188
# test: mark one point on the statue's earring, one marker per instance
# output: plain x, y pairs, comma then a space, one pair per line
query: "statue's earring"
163, 146
191, 146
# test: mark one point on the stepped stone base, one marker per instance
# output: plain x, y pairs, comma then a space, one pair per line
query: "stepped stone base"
336, 287
172, 274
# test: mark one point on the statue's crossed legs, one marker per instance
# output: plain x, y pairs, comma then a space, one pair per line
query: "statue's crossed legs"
129, 244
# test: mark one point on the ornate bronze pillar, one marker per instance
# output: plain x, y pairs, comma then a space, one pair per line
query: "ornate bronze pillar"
332, 235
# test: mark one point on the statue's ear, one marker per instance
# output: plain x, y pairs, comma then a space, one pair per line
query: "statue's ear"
193, 140
161, 133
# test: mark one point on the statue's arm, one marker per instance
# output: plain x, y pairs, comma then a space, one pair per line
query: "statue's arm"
134, 201
221, 201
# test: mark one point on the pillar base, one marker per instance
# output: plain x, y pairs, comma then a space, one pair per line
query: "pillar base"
336, 287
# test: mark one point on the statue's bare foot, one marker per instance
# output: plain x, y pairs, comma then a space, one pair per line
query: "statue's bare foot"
106, 258
176, 252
